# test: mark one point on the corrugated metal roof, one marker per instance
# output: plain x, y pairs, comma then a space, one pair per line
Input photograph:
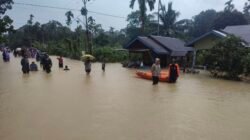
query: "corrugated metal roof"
242, 31
153, 45
172, 44
213, 32
163, 45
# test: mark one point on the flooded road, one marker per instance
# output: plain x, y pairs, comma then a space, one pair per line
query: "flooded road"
116, 105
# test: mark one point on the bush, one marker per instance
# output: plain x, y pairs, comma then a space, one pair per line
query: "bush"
109, 54
66, 48
246, 63
228, 56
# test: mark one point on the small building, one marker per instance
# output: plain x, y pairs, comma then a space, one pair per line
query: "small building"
208, 40
152, 47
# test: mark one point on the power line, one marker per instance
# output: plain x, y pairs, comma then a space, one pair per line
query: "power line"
71, 9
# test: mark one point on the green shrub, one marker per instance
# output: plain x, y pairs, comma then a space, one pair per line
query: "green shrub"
109, 54
228, 56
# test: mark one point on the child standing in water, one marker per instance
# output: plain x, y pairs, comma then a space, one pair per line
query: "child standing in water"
66, 68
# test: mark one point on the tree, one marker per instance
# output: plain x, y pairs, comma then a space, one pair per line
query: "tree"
69, 15
143, 10
203, 22
5, 21
5, 26
184, 29
246, 10
5, 5
94, 28
229, 6
169, 17
226, 58
227, 18
133, 27
30, 21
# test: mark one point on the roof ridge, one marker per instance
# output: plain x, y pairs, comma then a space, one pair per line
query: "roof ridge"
159, 43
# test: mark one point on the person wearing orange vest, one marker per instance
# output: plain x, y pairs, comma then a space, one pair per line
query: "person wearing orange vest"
174, 72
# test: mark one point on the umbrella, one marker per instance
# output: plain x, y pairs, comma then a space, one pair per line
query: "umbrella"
87, 56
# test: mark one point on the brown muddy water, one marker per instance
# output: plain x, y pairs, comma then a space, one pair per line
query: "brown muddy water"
116, 105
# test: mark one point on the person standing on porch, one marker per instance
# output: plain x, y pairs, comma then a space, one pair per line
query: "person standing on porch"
156, 71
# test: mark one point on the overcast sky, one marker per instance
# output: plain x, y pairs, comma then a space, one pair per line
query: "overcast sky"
187, 8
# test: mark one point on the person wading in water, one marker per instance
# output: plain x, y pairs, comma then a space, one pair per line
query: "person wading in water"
156, 71
87, 65
60, 62
47, 64
25, 65
173, 72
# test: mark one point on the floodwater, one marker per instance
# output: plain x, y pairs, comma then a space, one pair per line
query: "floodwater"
116, 105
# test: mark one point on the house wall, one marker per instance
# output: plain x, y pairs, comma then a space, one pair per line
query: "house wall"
206, 43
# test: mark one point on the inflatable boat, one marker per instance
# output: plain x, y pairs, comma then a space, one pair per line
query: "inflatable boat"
148, 75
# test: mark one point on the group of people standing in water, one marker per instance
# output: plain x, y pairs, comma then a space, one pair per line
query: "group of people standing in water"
6, 55
173, 72
45, 63
43, 58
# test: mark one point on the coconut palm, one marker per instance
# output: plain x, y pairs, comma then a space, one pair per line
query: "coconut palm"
143, 9
69, 16
169, 19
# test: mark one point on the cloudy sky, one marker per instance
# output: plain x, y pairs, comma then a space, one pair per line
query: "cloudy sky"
187, 8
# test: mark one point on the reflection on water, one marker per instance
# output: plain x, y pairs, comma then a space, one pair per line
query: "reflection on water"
115, 105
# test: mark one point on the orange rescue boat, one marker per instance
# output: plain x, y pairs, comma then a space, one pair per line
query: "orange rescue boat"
148, 75
164, 77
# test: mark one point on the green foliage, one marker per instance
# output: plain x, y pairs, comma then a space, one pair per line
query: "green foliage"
246, 9
169, 17
201, 57
30, 21
45, 33
227, 18
5, 21
229, 6
5, 26
143, 10
5, 5
67, 48
228, 57
69, 15
110, 54
246, 63
203, 22
133, 28
84, 11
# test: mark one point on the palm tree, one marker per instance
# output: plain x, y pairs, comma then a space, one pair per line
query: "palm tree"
143, 9
69, 16
168, 18
30, 21
229, 6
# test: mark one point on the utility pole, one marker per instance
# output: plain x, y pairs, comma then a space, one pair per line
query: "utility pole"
88, 42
